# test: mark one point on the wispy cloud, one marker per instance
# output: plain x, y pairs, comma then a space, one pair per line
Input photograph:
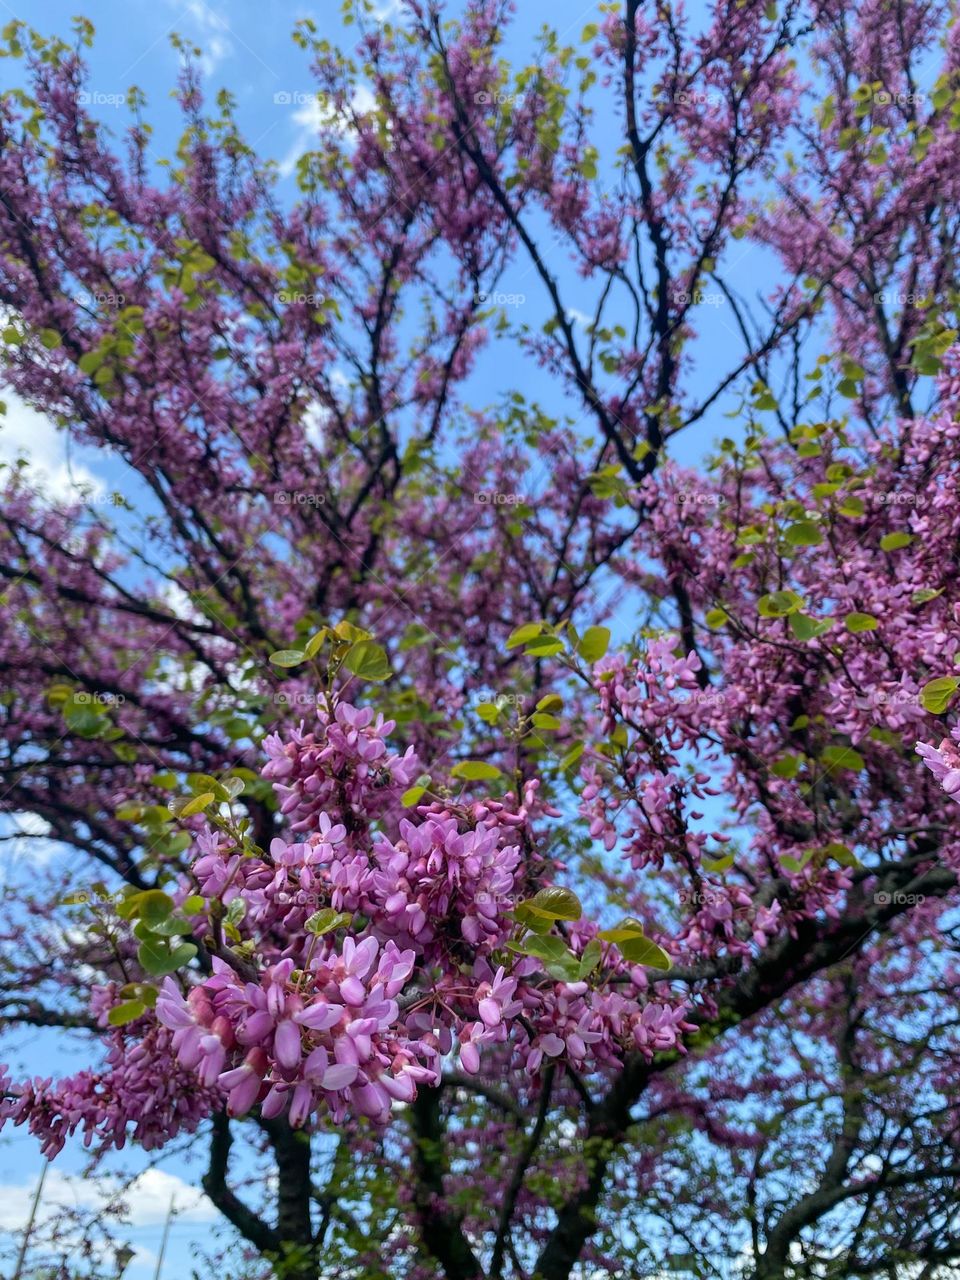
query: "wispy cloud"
211, 31
316, 114
25, 433
147, 1201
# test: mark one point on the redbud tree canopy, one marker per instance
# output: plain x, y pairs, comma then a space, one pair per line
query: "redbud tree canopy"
500, 850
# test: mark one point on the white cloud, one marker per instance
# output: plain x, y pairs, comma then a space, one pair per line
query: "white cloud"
150, 1196
147, 1199
213, 31
316, 114
28, 434
316, 416
24, 838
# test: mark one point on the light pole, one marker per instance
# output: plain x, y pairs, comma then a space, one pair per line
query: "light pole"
28, 1229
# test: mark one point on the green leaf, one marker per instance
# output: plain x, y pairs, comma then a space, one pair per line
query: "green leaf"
718, 865
894, 541
635, 946
196, 804
154, 906
90, 361
182, 955
787, 766
347, 631
851, 507
861, 622
237, 910
173, 927
233, 786
806, 628
475, 771
779, 604
641, 950
544, 647
529, 631
925, 594
842, 758
558, 960
158, 959
412, 796
288, 657
488, 712
594, 643
589, 959
803, 534
552, 904
326, 921
936, 695
542, 721
842, 854
368, 661
550, 702
315, 643
129, 1011
84, 716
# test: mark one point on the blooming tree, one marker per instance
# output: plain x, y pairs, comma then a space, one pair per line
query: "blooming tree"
515, 841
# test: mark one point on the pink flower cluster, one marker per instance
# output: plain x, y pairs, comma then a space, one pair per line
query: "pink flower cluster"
298, 1042
439, 886
141, 1085
642, 697
944, 762
589, 1027
344, 767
